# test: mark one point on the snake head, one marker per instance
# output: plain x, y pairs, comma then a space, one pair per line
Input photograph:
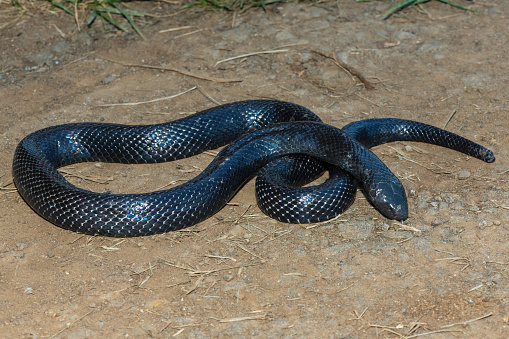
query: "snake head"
390, 199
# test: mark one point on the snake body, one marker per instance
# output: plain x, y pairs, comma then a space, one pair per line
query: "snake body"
292, 129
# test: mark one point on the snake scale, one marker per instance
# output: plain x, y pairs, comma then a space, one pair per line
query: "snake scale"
288, 142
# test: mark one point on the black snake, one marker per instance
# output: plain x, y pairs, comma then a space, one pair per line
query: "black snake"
265, 131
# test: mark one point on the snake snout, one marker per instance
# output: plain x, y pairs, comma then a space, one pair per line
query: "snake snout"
390, 199
399, 212
487, 155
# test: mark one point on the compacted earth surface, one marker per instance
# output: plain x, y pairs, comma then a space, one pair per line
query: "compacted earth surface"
442, 273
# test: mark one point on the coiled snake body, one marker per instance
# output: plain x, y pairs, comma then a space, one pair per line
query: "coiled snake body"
266, 131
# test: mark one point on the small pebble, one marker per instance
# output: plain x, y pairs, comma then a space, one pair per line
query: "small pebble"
464, 174
228, 277
385, 226
29, 290
108, 79
124, 100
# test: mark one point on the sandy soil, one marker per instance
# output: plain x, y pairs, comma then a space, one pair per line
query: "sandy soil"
241, 274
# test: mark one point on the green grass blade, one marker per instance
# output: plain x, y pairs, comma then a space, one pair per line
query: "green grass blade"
209, 3
130, 20
460, 7
105, 16
402, 5
407, 3
62, 7
91, 18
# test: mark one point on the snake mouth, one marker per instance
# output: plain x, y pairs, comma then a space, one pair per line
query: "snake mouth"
400, 212
395, 211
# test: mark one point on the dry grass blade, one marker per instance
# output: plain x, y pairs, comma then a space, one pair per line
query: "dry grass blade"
4, 186
350, 69
497, 262
469, 321
410, 334
248, 251
170, 69
252, 54
475, 288
95, 179
465, 262
114, 246
179, 283
149, 101
403, 156
431, 332
196, 284
208, 96
295, 274
359, 316
70, 324
220, 257
175, 29
404, 227
188, 33
263, 316
449, 119
196, 272
149, 268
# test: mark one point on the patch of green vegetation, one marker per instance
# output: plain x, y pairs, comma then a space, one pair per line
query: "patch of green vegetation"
109, 11
113, 12
407, 3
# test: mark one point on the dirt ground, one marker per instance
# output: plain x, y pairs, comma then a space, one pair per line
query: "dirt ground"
241, 274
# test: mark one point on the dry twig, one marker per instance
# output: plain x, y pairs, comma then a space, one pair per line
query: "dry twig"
469, 321
350, 69
170, 69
